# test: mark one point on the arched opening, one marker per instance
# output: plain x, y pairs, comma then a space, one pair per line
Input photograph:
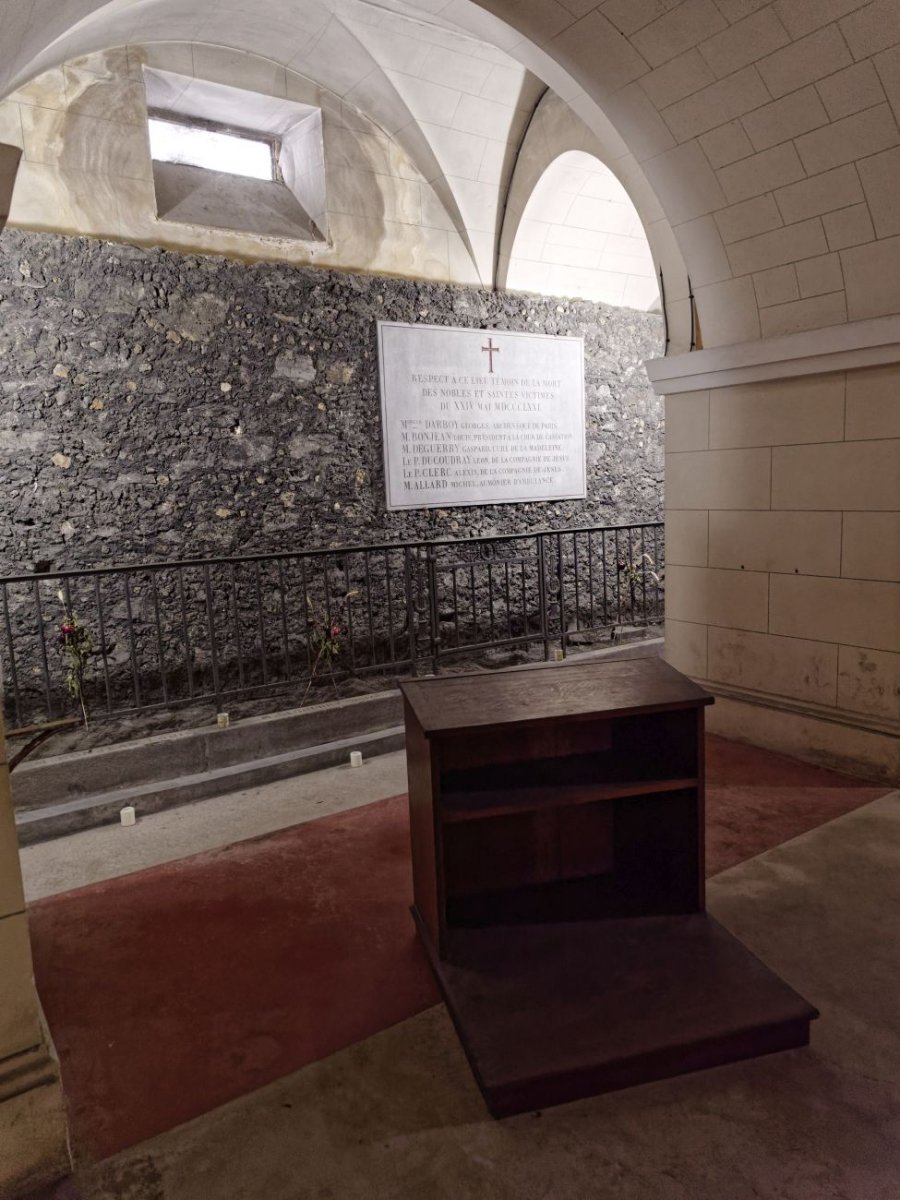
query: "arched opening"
581, 235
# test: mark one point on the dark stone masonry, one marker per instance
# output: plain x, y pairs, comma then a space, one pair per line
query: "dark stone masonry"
156, 405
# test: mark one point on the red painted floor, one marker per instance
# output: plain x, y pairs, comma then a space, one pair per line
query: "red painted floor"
176, 989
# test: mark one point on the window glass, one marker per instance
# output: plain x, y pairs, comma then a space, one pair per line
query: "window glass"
171, 141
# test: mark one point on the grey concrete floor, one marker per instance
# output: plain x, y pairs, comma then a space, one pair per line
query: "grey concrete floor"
98, 854
398, 1117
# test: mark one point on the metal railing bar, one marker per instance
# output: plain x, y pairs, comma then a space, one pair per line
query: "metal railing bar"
11, 650
264, 662
188, 649
159, 640
237, 624
282, 593
131, 643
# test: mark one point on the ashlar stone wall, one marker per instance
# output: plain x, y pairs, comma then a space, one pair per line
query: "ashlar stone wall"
156, 405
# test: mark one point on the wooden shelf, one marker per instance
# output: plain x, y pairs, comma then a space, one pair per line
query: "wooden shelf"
568, 935
498, 802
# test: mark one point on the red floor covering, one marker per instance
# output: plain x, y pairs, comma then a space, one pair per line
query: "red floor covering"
176, 989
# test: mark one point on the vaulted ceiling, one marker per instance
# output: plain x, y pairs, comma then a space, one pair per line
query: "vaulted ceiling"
760, 137
457, 101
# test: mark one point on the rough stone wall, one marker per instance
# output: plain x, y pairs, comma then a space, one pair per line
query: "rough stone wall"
155, 405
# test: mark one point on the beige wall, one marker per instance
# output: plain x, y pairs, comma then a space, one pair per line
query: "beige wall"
783, 560
86, 169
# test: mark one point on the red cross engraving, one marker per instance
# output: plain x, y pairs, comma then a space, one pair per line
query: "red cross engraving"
490, 350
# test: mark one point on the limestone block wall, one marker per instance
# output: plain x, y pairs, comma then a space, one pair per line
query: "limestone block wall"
159, 405
783, 550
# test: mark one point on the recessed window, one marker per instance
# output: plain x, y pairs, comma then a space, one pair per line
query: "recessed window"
227, 158
198, 145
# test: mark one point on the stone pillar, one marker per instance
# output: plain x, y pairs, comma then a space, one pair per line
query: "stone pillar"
33, 1137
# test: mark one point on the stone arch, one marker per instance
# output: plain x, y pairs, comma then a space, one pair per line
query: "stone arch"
581, 236
733, 124
555, 130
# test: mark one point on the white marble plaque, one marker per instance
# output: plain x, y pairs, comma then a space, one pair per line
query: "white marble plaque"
475, 416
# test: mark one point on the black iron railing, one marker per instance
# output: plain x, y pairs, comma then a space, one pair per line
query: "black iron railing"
163, 634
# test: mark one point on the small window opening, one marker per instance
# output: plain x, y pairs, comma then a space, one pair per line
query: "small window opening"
198, 144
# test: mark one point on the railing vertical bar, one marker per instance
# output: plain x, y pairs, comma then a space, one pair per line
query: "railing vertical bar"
211, 625
390, 603
563, 616
43, 641
348, 600
643, 579
282, 593
159, 639
11, 651
135, 675
304, 583
236, 616
525, 628
474, 602
619, 570
264, 662
455, 605
326, 586
410, 608
368, 564
434, 617
590, 554
577, 593
542, 594
658, 568
186, 634
67, 597
490, 573
508, 602
605, 577
101, 627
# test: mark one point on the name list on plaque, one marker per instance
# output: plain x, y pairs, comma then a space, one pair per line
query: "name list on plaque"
480, 416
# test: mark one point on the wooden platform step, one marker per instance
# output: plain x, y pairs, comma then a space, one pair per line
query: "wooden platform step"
556, 1012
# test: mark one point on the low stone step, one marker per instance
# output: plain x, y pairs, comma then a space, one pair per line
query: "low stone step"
86, 812
187, 752
57, 796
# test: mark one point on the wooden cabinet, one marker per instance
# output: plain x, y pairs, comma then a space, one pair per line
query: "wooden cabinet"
557, 824
555, 794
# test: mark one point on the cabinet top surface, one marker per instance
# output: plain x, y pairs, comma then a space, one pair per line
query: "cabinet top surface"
587, 689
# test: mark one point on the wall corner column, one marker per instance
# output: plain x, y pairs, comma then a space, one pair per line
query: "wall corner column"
34, 1146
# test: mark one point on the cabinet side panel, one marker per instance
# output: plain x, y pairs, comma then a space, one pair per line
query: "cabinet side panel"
421, 825
701, 809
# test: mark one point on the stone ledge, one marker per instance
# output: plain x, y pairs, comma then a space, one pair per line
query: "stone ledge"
86, 812
55, 781
837, 348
